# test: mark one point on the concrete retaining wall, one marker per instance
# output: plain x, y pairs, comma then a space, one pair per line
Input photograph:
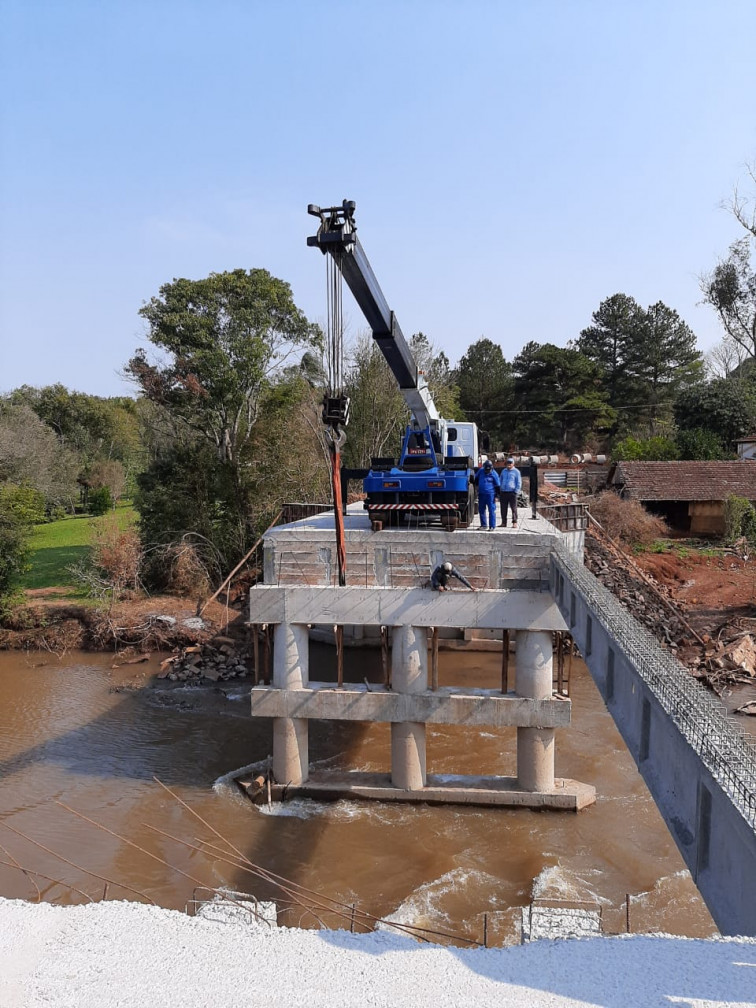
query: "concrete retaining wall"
682, 743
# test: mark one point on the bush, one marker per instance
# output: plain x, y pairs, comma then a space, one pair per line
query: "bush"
740, 520
100, 501
24, 502
699, 444
653, 449
14, 552
178, 568
626, 520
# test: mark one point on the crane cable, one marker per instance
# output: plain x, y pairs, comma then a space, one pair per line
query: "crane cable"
335, 435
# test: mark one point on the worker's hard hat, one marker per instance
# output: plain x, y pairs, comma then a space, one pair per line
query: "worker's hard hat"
448, 567
488, 464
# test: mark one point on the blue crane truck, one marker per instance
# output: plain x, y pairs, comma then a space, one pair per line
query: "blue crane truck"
433, 476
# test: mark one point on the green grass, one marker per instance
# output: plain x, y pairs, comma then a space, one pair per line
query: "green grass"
59, 544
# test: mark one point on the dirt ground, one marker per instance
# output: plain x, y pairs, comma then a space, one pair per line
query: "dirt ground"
158, 622
709, 589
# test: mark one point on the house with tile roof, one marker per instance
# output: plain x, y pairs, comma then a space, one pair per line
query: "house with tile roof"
690, 496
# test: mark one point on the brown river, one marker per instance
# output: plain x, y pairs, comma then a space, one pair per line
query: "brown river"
78, 731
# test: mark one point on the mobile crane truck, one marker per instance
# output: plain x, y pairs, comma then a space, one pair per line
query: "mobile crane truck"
433, 477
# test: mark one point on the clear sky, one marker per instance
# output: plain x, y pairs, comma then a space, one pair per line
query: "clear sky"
513, 163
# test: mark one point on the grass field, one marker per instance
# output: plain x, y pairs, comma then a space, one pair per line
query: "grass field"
57, 545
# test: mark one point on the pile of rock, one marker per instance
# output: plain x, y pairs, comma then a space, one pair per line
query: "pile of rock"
642, 598
218, 659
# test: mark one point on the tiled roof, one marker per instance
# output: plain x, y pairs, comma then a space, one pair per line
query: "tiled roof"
683, 481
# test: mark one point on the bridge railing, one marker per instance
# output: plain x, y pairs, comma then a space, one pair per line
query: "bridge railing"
701, 718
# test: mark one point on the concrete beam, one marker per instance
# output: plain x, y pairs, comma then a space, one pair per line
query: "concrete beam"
566, 795
491, 610
444, 706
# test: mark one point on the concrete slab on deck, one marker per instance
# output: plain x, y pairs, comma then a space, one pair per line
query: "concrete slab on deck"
515, 610
568, 795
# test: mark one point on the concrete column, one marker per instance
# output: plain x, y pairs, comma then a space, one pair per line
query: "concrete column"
409, 674
535, 746
291, 655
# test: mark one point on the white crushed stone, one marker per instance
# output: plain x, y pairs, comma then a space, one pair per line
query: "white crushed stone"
119, 955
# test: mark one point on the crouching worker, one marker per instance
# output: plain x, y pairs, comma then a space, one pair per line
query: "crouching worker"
443, 574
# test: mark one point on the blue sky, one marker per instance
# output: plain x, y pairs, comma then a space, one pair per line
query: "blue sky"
513, 163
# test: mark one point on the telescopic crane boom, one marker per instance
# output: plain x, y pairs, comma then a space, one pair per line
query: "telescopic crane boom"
337, 236
433, 476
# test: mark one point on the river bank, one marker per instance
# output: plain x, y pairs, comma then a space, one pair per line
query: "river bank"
127, 954
141, 625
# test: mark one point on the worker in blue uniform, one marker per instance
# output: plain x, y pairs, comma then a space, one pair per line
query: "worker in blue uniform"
511, 484
487, 482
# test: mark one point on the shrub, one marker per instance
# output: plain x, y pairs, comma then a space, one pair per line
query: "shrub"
626, 520
178, 568
700, 444
100, 501
24, 502
740, 520
653, 449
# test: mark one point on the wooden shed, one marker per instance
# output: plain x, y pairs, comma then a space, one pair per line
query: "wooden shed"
690, 496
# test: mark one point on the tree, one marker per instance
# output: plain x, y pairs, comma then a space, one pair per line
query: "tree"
559, 396
661, 360
724, 359
645, 356
434, 365
378, 412
700, 445
730, 288
725, 407
224, 337
616, 324
731, 291
32, 455
486, 390
651, 449
14, 551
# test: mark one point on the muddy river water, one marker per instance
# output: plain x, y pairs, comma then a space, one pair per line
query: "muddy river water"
78, 731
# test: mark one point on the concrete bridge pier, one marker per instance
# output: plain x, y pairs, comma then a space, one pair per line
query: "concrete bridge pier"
291, 656
535, 746
409, 674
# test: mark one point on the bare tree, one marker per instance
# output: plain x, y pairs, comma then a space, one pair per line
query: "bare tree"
731, 286
723, 359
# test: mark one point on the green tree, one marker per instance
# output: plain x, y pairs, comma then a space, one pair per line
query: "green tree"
700, 445
560, 398
662, 360
434, 365
651, 449
486, 390
724, 406
31, 455
608, 342
224, 338
378, 412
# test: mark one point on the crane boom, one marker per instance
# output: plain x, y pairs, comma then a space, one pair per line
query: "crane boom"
337, 236
432, 479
